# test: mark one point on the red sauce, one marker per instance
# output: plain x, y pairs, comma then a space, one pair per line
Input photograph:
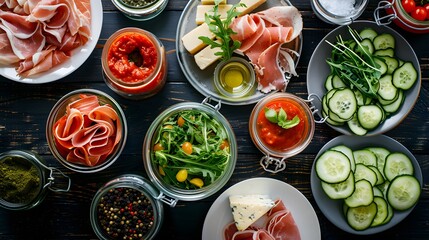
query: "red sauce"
122, 51
277, 138
138, 63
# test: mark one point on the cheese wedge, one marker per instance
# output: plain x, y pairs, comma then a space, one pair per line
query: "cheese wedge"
247, 209
203, 9
206, 57
211, 2
191, 41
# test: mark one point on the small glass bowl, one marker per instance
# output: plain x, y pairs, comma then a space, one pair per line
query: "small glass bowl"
27, 159
143, 13
133, 183
236, 86
324, 11
141, 89
152, 169
275, 154
400, 17
59, 110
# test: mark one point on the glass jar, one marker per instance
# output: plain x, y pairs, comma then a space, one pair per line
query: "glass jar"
141, 12
152, 168
147, 209
146, 63
339, 12
235, 78
277, 143
43, 178
396, 13
86, 164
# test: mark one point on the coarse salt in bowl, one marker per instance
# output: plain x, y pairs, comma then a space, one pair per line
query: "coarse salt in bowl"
340, 12
86, 130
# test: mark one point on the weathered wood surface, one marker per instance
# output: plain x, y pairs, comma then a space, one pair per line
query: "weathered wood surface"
24, 109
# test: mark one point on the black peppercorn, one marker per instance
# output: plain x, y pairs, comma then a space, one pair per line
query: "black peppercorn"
120, 213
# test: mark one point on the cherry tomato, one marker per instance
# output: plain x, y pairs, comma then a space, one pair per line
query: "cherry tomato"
180, 121
419, 14
426, 6
187, 147
408, 5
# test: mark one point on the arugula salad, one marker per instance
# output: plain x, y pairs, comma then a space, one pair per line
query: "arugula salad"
191, 149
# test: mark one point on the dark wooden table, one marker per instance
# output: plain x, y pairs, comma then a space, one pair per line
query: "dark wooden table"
24, 109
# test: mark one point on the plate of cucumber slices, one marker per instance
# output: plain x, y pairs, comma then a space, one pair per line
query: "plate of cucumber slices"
365, 185
367, 77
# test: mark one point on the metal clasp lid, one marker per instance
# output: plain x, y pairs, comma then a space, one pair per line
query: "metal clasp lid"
311, 97
268, 163
383, 5
169, 201
53, 172
207, 100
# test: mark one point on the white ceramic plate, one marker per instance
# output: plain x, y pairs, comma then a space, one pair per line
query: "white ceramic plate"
318, 70
202, 80
220, 214
333, 209
79, 55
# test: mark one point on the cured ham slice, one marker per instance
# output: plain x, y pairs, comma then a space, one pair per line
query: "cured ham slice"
42, 33
262, 35
89, 132
279, 225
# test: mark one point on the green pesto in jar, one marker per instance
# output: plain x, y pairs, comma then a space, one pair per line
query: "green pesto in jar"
138, 3
20, 181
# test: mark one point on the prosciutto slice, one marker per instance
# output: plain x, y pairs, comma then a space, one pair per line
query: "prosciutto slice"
42, 33
262, 36
88, 133
279, 225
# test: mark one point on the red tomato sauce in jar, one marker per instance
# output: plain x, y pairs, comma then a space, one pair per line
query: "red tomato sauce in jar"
132, 57
134, 63
275, 137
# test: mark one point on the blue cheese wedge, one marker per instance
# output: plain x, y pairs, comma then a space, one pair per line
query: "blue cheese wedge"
247, 209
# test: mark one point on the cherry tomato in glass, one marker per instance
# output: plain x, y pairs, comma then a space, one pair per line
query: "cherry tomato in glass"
419, 14
408, 5
426, 6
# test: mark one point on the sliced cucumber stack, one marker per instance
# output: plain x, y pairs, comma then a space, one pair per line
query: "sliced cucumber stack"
373, 182
361, 109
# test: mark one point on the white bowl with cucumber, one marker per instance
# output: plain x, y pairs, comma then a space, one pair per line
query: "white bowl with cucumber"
365, 185
367, 77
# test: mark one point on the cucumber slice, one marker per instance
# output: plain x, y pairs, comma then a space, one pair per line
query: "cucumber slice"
369, 116
328, 82
383, 41
382, 211
337, 82
364, 172
380, 177
377, 192
361, 218
355, 127
365, 157
362, 196
405, 76
387, 91
392, 63
394, 106
348, 152
333, 167
368, 33
404, 192
343, 103
389, 213
340, 190
390, 52
381, 155
382, 66
397, 164
368, 46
